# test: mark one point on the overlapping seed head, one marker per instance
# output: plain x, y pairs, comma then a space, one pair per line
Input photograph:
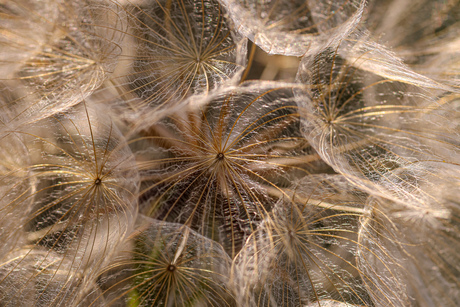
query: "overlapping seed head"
57, 52
144, 162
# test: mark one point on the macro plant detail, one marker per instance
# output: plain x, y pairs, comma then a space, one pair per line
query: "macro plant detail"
75, 50
401, 231
365, 125
229, 153
170, 265
16, 183
430, 44
219, 169
179, 48
304, 251
80, 200
293, 27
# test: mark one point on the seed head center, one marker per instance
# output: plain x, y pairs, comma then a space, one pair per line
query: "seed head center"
220, 156
171, 268
97, 181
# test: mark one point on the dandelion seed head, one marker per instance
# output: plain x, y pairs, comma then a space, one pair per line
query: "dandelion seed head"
139, 168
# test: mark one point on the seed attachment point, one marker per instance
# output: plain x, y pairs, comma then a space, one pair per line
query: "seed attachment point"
220, 156
171, 268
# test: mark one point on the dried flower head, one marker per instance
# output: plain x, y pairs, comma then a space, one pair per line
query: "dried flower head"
294, 27
174, 49
170, 265
84, 202
72, 48
220, 168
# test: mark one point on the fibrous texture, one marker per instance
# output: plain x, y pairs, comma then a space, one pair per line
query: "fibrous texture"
417, 238
219, 168
366, 124
57, 52
176, 49
294, 27
303, 253
429, 42
71, 205
170, 265
235, 153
